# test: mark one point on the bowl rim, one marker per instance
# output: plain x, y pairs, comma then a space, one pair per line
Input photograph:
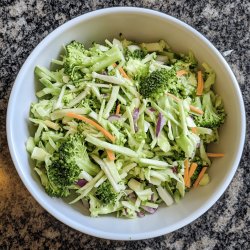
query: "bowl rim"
98, 233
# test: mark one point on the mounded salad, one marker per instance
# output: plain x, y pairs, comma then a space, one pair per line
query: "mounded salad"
123, 127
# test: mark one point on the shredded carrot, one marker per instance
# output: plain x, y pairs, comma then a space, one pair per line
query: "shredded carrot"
194, 130
200, 84
196, 110
93, 123
123, 73
121, 70
186, 173
215, 155
192, 169
181, 72
174, 97
118, 108
196, 183
110, 154
192, 108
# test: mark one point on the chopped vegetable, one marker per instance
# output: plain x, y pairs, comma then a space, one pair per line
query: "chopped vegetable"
186, 174
200, 177
118, 108
93, 123
215, 155
193, 167
181, 72
200, 85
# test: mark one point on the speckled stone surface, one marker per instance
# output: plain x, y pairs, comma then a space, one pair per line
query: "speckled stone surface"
23, 223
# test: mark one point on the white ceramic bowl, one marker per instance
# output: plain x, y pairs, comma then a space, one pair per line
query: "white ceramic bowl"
140, 25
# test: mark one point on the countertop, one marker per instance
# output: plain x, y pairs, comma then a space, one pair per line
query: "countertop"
24, 224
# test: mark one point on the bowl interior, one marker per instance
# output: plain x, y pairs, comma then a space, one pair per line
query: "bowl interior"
139, 25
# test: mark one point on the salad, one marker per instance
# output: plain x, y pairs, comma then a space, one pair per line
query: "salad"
123, 127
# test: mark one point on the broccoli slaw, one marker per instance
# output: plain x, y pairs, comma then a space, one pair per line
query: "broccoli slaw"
124, 126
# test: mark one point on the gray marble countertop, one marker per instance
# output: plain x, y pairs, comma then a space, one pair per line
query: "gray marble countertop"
26, 225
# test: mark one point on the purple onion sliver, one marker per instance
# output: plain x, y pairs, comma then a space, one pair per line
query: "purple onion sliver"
149, 209
81, 182
140, 214
112, 118
136, 114
135, 118
175, 170
160, 124
151, 109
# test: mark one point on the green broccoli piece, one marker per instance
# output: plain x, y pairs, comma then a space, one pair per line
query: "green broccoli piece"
50, 188
214, 137
74, 60
92, 103
136, 54
73, 152
159, 82
66, 166
78, 61
212, 117
106, 193
136, 68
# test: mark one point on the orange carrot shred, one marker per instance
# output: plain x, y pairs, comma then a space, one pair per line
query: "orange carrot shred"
194, 130
118, 108
173, 96
186, 173
196, 110
196, 183
181, 72
215, 155
193, 167
192, 108
200, 84
123, 73
110, 154
121, 70
93, 123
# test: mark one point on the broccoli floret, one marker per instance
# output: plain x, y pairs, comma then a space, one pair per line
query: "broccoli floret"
96, 207
66, 166
159, 82
210, 138
136, 54
50, 187
74, 60
73, 152
211, 118
136, 68
92, 103
106, 193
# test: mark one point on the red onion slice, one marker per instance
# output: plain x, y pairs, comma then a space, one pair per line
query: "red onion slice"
81, 182
151, 109
135, 118
140, 214
149, 209
136, 114
160, 124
